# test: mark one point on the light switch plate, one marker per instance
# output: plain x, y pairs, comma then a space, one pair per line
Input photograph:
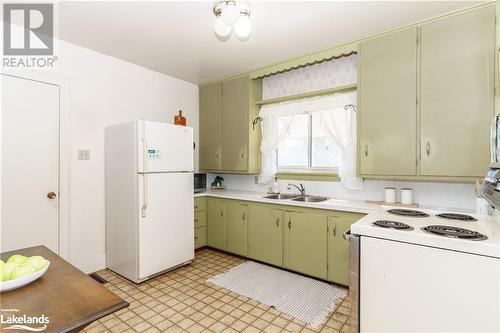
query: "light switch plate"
83, 154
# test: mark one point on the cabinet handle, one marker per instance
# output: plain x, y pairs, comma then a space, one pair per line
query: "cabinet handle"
289, 223
216, 154
428, 148
195, 220
221, 213
366, 150
196, 207
242, 153
334, 230
278, 222
243, 217
196, 238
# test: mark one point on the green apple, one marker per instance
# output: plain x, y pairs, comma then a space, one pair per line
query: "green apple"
21, 271
6, 270
38, 262
17, 258
1, 269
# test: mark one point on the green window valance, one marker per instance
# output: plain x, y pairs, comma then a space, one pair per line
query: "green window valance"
311, 59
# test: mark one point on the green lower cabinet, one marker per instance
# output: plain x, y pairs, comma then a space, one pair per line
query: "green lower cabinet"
306, 243
200, 237
338, 247
265, 234
216, 221
237, 216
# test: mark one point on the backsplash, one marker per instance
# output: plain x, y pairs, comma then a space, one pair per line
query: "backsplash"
431, 194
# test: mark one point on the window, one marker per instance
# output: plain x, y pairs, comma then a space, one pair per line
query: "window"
307, 145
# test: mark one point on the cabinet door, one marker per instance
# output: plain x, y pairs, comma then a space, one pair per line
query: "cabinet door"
216, 233
306, 243
237, 216
200, 237
338, 248
388, 104
457, 89
265, 234
210, 127
234, 124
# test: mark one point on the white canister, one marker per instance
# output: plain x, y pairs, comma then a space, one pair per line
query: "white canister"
406, 196
390, 195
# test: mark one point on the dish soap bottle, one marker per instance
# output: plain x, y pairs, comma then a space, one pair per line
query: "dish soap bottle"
276, 185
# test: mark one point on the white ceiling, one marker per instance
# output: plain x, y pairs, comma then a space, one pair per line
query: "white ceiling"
177, 38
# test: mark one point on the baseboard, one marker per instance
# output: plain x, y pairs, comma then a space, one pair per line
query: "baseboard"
90, 264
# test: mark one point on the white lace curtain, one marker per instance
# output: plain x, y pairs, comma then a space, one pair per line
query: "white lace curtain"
339, 121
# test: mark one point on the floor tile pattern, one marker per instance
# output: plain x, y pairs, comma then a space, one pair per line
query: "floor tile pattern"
182, 301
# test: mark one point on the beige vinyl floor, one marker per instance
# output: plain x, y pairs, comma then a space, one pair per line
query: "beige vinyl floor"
182, 301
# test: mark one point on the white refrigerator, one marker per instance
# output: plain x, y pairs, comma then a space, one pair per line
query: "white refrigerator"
149, 198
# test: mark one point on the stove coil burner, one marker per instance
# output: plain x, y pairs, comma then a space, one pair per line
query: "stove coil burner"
407, 212
454, 232
392, 225
455, 216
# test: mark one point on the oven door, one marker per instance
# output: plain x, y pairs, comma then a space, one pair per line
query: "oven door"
354, 252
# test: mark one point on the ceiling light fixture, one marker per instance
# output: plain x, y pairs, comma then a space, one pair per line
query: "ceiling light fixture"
232, 15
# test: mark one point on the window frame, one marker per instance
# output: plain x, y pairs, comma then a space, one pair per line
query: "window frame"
309, 169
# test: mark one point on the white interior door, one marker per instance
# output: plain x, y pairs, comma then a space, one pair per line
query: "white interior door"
30, 164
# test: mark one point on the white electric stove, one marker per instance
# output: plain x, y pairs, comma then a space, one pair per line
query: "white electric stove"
425, 271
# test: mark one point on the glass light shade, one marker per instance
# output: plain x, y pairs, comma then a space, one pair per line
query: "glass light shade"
230, 14
221, 28
243, 27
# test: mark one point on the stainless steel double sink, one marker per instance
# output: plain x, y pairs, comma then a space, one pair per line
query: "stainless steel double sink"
296, 197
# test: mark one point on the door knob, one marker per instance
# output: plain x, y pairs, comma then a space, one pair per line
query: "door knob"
51, 195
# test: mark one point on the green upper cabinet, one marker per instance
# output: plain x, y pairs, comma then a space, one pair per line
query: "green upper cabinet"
338, 247
426, 99
227, 110
305, 248
387, 104
265, 234
234, 124
216, 222
457, 93
210, 127
237, 217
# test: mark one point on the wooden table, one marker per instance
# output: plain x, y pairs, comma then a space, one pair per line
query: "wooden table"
70, 298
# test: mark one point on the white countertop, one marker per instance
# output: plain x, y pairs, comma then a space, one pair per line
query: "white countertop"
353, 206
486, 225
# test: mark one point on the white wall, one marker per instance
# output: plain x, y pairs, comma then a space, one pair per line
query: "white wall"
106, 91
430, 194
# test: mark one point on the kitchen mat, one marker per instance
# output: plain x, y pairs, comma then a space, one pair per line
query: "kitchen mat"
300, 297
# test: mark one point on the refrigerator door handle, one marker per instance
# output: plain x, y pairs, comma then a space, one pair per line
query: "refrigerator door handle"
145, 194
145, 179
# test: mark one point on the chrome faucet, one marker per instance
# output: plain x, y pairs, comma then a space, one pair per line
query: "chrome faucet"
301, 188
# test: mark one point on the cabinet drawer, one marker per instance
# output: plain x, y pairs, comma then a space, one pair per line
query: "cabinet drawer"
200, 237
200, 204
200, 219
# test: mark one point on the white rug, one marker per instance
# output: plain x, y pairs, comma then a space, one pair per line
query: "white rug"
298, 296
